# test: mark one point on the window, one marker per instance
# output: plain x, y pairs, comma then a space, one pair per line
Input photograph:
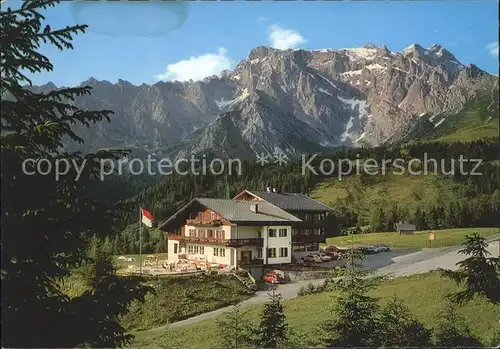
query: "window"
190, 248
196, 249
271, 253
176, 248
202, 250
220, 234
192, 232
283, 251
220, 252
282, 233
299, 248
259, 253
312, 247
272, 233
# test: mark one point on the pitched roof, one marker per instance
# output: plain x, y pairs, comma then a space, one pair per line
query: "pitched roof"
405, 226
291, 201
239, 210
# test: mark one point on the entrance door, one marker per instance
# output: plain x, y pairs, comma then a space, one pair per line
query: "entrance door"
246, 256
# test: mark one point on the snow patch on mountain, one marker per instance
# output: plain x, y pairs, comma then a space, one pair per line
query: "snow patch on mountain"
325, 91
345, 135
439, 122
224, 104
329, 82
360, 137
361, 52
356, 103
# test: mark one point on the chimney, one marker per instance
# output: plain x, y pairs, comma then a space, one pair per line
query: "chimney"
268, 189
275, 190
254, 208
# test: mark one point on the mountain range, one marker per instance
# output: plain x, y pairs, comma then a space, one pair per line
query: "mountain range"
290, 101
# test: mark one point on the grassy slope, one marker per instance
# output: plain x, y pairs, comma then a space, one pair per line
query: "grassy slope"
183, 297
446, 237
469, 127
408, 191
423, 294
465, 126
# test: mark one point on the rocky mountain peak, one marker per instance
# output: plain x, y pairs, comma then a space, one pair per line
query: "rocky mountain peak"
260, 52
370, 46
286, 100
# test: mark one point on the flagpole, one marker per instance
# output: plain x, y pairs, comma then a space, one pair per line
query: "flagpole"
140, 240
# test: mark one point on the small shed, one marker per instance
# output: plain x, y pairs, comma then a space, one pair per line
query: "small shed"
405, 228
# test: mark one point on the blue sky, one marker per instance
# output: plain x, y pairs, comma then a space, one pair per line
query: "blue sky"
145, 42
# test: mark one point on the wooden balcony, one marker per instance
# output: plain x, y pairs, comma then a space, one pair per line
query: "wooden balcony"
213, 241
313, 238
251, 262
206, 223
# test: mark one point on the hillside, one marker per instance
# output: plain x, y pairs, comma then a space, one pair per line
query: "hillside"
478, 120
423, 294
408, 191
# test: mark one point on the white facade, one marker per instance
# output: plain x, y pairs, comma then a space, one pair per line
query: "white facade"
277, 245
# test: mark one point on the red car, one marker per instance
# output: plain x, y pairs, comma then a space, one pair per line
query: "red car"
274, 278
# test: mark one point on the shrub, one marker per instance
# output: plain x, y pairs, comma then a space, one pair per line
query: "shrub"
310, 288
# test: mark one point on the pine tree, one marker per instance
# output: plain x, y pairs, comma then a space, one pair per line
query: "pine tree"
452, 331
393, 217
479, 273
234, 329
46, 221
273, 329
377, 220
354, 320
400, 328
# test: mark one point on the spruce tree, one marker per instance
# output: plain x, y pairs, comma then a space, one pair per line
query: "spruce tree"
354, 321
400, 328
452, 331
273, 329
234, 329
46, 221
377, 220
479, 273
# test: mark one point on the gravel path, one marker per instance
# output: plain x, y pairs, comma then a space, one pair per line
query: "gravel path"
398, 262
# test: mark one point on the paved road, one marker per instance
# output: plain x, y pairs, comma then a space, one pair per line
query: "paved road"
398, 262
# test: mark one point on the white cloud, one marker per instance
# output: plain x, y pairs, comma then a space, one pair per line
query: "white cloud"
493, 48
283, 39
197, 68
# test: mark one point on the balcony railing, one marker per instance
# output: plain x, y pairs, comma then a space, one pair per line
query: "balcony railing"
199, 221
309, 238
213, 241
246, 262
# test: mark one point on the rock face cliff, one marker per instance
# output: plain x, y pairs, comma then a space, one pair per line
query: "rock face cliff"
291, 101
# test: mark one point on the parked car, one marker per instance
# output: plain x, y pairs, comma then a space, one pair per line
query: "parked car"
274, 278
313, 258
324, 257
370, 249
305, 263
382, 247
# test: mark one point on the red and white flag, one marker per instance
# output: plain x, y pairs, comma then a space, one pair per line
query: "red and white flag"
147, 217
